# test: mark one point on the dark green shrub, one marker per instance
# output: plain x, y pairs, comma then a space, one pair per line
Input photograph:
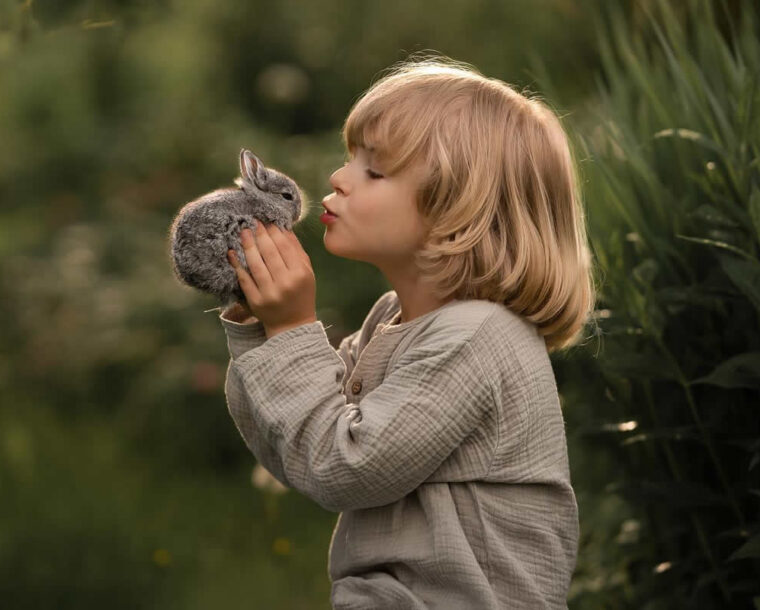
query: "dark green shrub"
671, 163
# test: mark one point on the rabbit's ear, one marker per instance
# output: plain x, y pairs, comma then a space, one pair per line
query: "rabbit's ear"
252, 169
247, 169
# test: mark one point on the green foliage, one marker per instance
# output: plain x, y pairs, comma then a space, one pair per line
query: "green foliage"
124, 481
671, 159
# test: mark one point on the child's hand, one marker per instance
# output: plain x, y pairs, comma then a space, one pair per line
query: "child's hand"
281, 289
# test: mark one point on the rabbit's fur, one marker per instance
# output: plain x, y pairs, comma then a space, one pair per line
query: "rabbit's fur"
204, 229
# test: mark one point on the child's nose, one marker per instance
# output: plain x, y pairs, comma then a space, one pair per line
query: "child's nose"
337, 182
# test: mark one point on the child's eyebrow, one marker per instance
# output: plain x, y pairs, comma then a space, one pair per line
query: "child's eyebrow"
368, 150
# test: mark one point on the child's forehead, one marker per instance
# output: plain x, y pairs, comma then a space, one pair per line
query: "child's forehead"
364, 150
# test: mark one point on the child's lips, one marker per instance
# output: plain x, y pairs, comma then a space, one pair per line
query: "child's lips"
324, 205
328, 210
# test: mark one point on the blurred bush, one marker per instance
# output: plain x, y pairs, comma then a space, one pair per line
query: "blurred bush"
672, 182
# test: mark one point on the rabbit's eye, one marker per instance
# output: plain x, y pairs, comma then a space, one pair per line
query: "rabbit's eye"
287, 196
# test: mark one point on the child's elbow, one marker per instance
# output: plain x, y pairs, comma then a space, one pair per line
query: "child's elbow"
355, 493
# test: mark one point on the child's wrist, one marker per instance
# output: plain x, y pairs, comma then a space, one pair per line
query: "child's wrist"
271, 331
239, 314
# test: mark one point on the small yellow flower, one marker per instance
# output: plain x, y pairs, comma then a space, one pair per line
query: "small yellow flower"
162, 557
281, 546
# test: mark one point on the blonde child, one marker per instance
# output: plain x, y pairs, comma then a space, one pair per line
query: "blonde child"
435, 430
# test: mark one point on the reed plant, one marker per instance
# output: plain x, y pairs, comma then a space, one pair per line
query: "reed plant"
670, 158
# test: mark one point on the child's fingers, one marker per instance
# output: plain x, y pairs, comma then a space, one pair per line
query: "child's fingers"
247, 285
257, 264
281, 253
268, 250
298, 247
290, 248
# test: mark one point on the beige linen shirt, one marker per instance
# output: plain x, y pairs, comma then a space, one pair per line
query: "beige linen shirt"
440, 441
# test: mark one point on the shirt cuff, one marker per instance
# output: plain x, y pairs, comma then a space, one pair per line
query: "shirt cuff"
243, 337
287, 342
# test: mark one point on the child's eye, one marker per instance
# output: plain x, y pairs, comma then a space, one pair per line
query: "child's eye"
373, 175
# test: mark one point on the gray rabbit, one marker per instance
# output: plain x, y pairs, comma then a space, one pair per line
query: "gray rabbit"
204, 229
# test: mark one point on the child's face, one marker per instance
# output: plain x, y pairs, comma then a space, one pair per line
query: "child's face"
378, 221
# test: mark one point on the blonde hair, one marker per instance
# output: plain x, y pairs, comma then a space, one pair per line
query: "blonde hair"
500, 196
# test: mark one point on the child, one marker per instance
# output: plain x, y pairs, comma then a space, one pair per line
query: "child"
435, 429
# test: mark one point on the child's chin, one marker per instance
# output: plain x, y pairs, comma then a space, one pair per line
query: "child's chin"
334, 248
331, 244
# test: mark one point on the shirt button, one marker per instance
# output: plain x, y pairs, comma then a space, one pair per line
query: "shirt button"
356, 387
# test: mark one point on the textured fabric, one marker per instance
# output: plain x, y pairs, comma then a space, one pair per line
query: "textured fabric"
439, 440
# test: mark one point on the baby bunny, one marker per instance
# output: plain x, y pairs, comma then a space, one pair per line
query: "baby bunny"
204, 229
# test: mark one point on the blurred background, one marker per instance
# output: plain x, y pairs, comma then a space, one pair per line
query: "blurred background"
124, 482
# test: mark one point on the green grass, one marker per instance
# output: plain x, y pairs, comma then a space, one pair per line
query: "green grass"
96, 525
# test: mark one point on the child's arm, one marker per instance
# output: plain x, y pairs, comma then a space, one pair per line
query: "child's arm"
286, 399
244, 331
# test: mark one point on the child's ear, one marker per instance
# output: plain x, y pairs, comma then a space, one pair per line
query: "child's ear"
252, 169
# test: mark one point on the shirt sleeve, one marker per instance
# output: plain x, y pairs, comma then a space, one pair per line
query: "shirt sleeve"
286, 399
348, 350
242, 337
